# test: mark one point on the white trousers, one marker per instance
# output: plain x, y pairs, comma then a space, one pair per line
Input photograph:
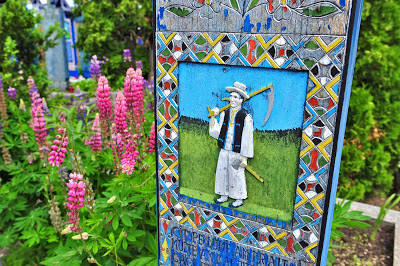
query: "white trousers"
229, 181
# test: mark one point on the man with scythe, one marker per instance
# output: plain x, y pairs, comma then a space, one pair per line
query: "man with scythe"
234, 134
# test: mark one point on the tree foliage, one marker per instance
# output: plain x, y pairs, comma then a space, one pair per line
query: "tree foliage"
109, 27
371, 153
22, 44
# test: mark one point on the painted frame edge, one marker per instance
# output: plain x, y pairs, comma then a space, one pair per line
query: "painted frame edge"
154, 21
355, 30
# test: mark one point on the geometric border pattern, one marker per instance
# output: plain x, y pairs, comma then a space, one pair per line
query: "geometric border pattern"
322, 57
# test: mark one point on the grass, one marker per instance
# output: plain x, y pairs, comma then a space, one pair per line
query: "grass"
276, 159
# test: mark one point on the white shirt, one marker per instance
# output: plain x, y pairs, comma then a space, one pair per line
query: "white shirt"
247, 148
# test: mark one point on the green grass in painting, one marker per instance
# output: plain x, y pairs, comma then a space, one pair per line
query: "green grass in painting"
276, 158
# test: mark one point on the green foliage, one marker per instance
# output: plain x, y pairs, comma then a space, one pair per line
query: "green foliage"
344, 218
119, 232
392, 201
371, 153
20, 26
110, 27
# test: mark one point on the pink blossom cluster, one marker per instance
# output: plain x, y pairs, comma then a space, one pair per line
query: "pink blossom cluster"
58, 149
129, 157
133, 89
103, 99
39, 123
95, 139
75, 200
152, 139
120, 114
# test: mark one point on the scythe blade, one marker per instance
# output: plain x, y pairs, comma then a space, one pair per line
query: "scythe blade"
271, 98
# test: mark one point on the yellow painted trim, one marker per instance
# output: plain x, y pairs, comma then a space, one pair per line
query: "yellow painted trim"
322, 146
227, 231
189, 220
165, 207
172, 120
166, 41
330, 90
276, 244
307, 249
303, 196
210, 54
317, 86
210, 41
329, 47
310, 145
164, 252
165, 166
277, 237
172, 166
164, 121
171, 74
163, 72
315, 204
229, 223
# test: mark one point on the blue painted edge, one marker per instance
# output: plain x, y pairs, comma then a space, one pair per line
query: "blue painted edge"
154, 2
343, 120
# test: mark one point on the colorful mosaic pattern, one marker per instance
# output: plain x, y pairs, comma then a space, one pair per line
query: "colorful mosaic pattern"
323, 58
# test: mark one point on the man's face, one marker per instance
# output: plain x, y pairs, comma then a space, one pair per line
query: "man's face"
236, 100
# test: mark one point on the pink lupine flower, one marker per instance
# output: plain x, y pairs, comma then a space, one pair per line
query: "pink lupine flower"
75, 200
120, 114
133, 89
103, 99
39, 123
129, 156
95, 139
152, 139
57, 155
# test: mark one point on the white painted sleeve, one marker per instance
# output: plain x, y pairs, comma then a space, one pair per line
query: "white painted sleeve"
215, 126
247, 147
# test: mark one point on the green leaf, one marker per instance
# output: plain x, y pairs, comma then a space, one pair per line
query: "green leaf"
235, 5
126, 220
115, 223
143, 261
180, 11
253, 4
111, 237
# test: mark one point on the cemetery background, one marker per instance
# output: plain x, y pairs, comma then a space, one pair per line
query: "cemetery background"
122, 223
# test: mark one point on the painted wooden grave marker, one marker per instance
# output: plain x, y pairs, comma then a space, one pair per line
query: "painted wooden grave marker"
252, 99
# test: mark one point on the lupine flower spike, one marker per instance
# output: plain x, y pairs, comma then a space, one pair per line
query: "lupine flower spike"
12, 93
58, 149
95, 67
152, 139
133, 89
104, 103
127, 55
120, 114
39, 123
75, 200
32, 86
3, 107
95, 139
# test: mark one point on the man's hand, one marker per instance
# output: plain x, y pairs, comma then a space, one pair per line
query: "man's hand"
243, 161
214, 112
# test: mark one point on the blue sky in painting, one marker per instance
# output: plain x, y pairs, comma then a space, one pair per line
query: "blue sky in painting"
202, 85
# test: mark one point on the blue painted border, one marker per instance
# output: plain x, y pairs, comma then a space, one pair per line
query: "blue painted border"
343, 119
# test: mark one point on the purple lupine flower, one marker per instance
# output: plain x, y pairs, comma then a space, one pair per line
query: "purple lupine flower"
12, 93
127, 55
81, 113
139, 64
95, 67
32, 86
46, 110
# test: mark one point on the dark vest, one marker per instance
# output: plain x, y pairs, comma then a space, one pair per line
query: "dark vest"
238, 129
